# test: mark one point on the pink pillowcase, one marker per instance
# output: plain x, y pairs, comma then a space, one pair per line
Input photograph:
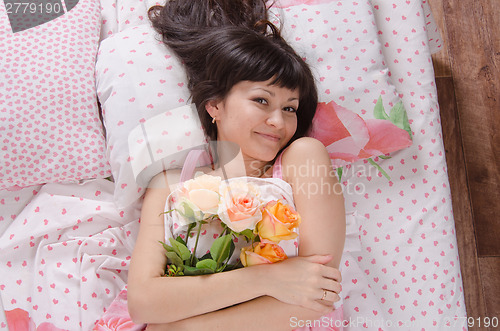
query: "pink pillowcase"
49, 121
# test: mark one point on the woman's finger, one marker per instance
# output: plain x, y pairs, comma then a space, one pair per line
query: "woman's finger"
329, 297
331, 285
321, 259
332, 273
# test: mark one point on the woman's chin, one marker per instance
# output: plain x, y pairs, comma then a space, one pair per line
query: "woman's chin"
265, 156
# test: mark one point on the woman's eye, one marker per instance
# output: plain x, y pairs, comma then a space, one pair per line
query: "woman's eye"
290, 109
260, 100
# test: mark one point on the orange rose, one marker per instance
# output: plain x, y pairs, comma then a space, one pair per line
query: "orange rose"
262, 253
278, 222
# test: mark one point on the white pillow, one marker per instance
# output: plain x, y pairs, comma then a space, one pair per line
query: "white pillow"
50, 128
164, 141
137, 79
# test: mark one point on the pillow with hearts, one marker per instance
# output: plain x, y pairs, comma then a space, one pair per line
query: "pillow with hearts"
49, 120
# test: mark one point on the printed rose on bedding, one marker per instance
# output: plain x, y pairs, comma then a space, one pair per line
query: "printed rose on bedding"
242, 215
349, 138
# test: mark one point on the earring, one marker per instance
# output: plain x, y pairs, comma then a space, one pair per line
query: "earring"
213, 120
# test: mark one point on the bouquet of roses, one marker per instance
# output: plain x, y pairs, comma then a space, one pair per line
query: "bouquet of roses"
238, 207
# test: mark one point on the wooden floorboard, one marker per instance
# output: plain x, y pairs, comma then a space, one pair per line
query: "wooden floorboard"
490, 268
471, 276
468, 82
471, 38
441, 59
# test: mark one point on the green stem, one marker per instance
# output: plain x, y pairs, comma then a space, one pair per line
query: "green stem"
166, 212
225, 264
224, 228
373, 163
196, 244
190, 227
228, 258
224, 248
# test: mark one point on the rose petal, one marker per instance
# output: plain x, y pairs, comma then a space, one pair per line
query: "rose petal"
385, 137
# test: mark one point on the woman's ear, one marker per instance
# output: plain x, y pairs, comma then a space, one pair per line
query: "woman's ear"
212, 108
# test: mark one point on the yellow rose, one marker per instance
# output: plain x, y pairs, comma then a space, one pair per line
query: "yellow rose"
240, 205
262, 253
278, 222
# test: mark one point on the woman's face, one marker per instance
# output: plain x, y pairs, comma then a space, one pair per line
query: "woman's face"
259, 117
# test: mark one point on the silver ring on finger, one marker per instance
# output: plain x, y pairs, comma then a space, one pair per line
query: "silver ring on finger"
324, 295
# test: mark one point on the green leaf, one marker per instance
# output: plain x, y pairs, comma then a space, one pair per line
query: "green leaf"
180, 240
220, 248
233, 266
167, 247
180, 249
399, 117
384, 157
172, 271
231, 249
193, 271
208, 264
379, 111
174, 259
206, 256
248, 233
340, 171
187, 212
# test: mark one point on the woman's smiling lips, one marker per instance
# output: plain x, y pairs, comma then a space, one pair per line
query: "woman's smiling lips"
269, 136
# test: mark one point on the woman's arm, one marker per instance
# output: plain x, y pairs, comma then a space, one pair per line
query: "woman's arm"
264, 313
319, 200
153, 298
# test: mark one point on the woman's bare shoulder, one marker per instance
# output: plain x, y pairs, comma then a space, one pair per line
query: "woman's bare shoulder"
303, 149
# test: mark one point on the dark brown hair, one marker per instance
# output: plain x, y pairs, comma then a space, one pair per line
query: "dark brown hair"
222, 45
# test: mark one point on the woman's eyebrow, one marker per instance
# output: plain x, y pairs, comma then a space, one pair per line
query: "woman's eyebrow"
265, 90
272, 93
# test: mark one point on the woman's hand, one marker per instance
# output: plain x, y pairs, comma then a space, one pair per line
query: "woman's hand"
304, 281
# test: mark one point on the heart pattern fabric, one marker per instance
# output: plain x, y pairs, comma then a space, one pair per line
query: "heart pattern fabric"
49, 121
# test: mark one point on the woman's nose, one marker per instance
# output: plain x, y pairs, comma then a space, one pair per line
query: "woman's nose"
275, 118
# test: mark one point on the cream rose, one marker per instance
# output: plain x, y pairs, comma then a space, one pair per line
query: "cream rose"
240, 205
198, 198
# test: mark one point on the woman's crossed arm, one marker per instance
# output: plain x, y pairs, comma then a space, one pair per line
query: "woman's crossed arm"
259, 296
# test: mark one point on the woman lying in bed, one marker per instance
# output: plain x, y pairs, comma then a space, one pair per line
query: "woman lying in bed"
252, 90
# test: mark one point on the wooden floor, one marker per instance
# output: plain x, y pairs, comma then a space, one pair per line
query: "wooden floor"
467, 73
